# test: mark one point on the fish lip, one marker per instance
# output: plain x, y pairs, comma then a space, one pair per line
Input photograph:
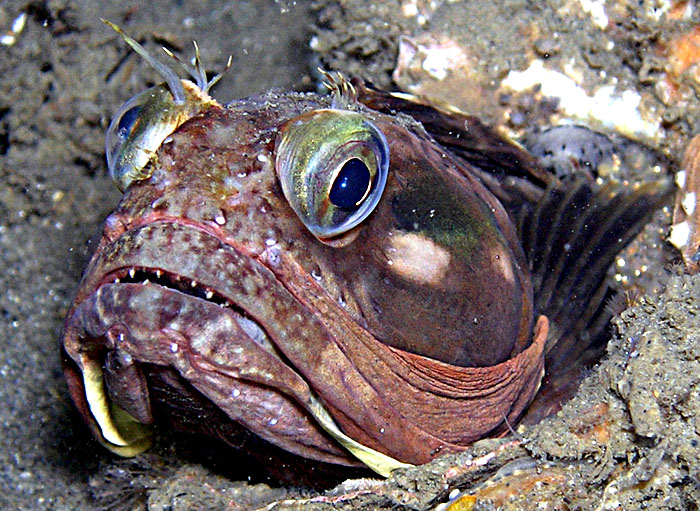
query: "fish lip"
88, 333
109, 262
105, 269
177, 283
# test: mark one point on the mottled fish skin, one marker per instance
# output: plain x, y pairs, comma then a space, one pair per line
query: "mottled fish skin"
211, 305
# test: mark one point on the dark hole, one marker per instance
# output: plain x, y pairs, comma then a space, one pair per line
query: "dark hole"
350, 185
4, 132
4, 141
88, 165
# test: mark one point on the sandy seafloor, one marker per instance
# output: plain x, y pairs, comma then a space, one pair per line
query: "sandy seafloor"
629, 440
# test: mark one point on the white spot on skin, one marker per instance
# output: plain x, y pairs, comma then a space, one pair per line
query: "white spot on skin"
680, 234
503, 263
418, 258
236, 393
174, 347
688, 203
272, 255
272, 422
220, 220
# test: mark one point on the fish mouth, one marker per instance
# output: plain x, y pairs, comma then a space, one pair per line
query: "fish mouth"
173, 295
166, 294
166, 279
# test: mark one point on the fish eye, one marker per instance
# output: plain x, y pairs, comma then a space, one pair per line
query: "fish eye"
126, 123
332, 166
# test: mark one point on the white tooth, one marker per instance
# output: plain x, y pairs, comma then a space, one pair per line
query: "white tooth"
132, 273
116, 281
159, 273
209, 294
146, 282
227, 303
194, 283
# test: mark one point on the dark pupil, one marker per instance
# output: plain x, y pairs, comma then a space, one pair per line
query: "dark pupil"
126, 123
350, 185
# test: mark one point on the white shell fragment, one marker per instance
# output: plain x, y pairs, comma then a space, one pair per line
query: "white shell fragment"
619, 111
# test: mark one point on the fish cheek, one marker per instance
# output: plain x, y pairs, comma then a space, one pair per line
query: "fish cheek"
437, 278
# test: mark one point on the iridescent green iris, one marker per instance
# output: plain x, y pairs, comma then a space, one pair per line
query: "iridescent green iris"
332, 165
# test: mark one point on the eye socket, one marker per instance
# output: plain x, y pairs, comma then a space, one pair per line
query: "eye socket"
333, 166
